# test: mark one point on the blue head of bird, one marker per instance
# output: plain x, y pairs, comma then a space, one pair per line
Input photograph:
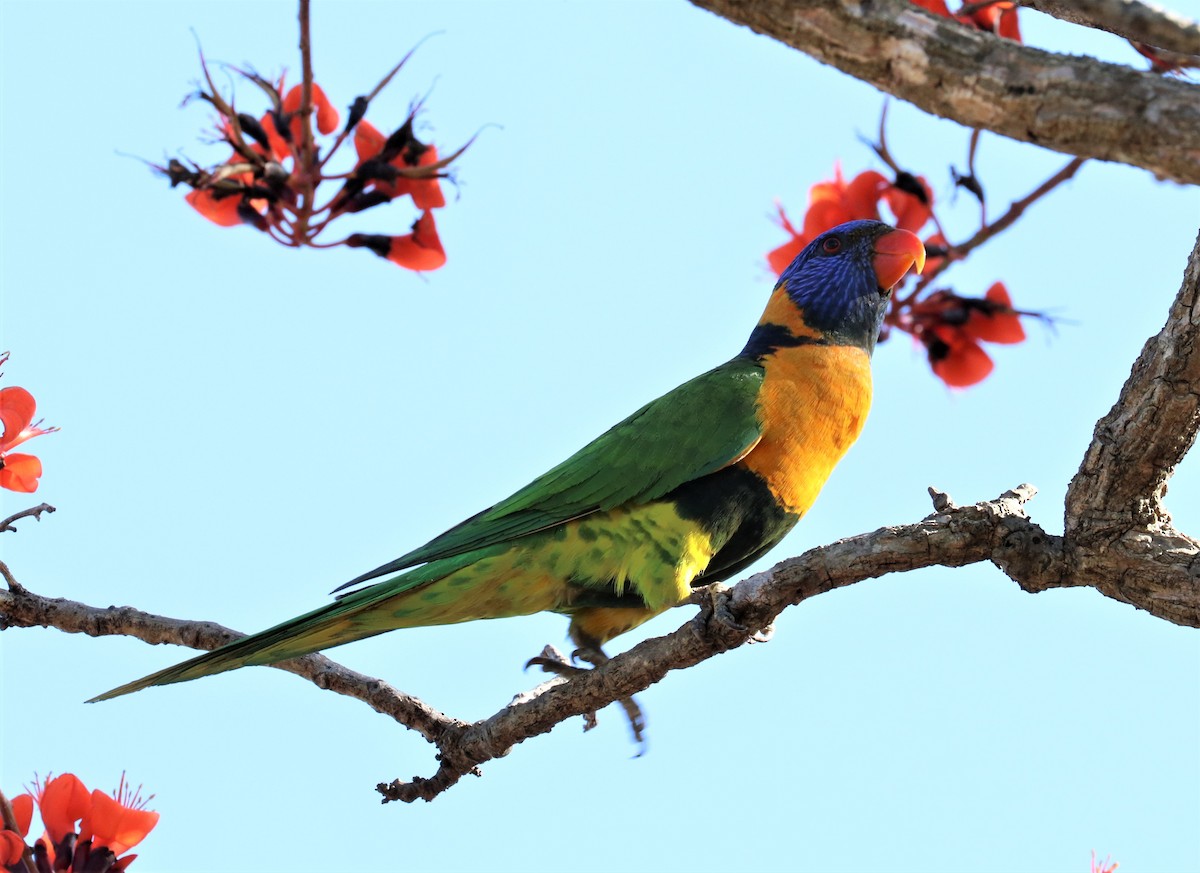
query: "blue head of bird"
842, 281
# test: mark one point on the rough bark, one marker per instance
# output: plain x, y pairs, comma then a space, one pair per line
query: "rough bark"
1131, 19
1074, 105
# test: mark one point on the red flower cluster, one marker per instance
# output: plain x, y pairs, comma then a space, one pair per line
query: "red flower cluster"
998, 17
952, 327
949, 326
278, 164
108, 826
18, 471
836, 201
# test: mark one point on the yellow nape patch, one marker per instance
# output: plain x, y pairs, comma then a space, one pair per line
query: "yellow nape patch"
648, 550
783, 311
813, 404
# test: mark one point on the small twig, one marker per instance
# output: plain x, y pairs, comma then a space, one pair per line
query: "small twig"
1015, 211
13, 585
383, 83
34, 512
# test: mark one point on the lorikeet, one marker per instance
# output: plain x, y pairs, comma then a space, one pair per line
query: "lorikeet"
688, 490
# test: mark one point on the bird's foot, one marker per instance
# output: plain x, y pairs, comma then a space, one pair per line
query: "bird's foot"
551, 660
717, 623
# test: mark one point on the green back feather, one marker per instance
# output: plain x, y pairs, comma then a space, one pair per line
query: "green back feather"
689, 432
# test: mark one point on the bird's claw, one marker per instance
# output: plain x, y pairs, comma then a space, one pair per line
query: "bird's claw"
551, 660
716, 621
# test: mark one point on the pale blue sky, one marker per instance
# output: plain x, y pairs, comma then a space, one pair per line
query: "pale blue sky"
244, 427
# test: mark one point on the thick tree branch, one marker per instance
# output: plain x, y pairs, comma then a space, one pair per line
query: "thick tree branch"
1074, 105
1153, 424
1114, 506
1131, 19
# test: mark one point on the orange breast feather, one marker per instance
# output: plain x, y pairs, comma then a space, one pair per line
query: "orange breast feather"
812, 406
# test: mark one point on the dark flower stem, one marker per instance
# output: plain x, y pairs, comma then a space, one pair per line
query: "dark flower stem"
306, 161
986, 232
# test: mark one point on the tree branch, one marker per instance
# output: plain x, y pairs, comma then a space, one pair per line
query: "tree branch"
1115, 502
996, 530
1131, 19
22, 608
1074, 105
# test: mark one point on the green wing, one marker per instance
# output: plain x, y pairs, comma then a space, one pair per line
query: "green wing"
696, 429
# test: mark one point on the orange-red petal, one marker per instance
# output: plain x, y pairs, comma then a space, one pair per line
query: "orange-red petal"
16, 412
368, 140
421, 249
280, 148
223, 211
427, 193
861, 197
20, 472
1001, 325
65, 799
911, 213
937, 7
327, 116
999, 18
22, 807
965, 364
12, 847
115, 826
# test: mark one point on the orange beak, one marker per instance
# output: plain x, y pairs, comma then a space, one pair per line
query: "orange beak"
895, 252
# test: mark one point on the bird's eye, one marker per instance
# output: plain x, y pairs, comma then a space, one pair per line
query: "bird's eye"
832, 244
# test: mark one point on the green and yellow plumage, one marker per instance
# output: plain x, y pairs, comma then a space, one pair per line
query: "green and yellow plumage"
690, 489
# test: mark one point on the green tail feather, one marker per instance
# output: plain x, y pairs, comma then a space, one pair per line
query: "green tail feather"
354, 617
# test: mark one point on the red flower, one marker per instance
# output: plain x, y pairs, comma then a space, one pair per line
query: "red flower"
18, 471
426, 193
999, 18
280, 148
327, 116
219, 210
957, 359
22, 807
108, 825
952, 327
997, 322
12, 847
830, 203
911, 210
63, 801
420, 250
117, 824
836, 201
